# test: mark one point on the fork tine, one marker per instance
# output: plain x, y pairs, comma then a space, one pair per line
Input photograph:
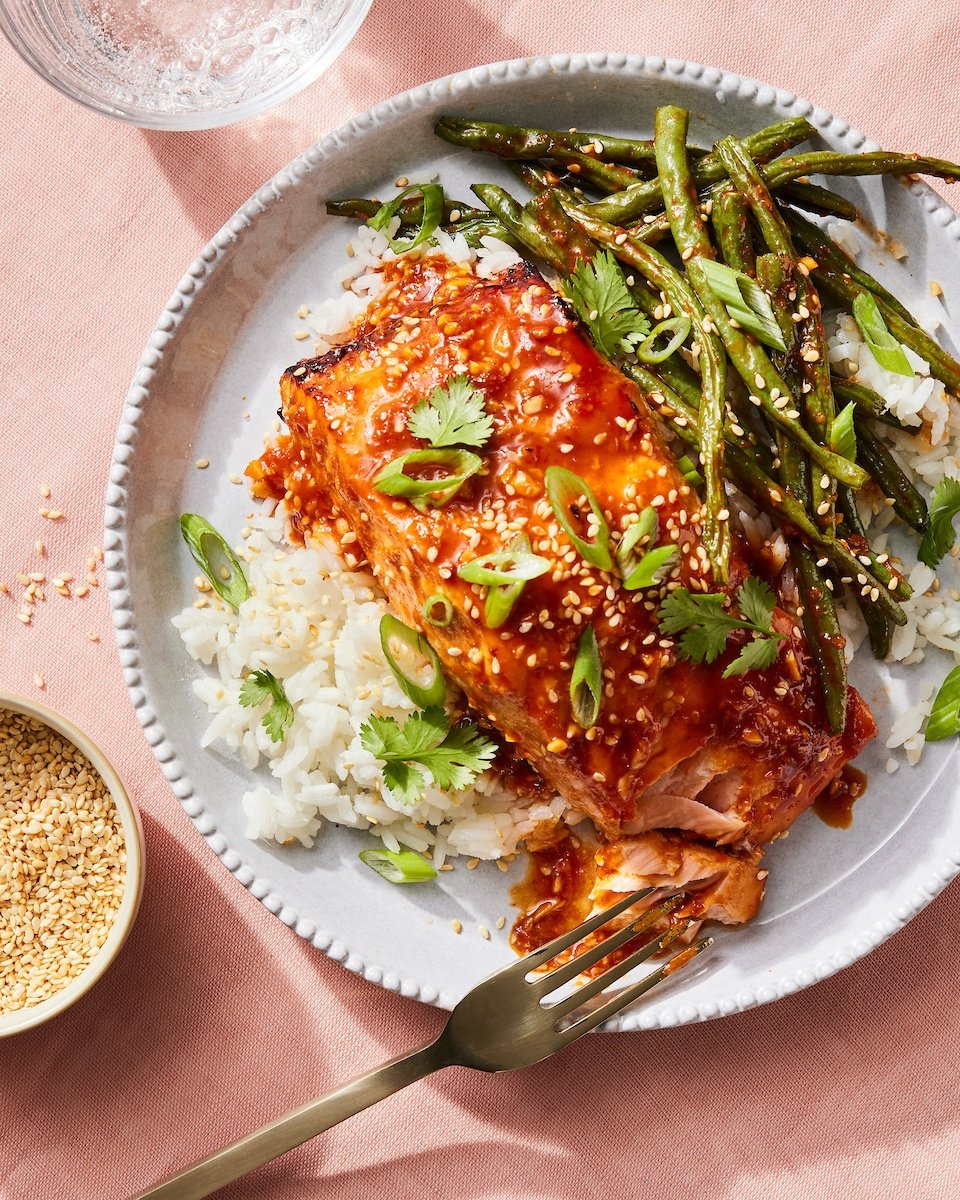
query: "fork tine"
605, 1011
564, 941
545, 984
618, 970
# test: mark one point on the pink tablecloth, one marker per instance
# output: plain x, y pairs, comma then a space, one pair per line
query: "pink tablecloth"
217, 1018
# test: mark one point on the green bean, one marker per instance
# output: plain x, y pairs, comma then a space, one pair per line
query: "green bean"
526, 142
889, 477
552, 220
539, 179
822, 629
828, 254
879, 625
731, 227
867, 402
690, 235
575, 152
521, 224
774, 277
812, 198
646, 196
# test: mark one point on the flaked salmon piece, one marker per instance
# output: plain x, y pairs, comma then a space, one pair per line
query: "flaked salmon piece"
756, 747
663, 810
722, 886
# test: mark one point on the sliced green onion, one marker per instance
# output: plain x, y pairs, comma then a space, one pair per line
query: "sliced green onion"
505, 567
646, 526
944, 719
940, 535
399, 866
586, 682
565, 489
501, 597
650, 569
746, 302
843, 436
690, 472
429, 695
883, 345
428, 493
215, 559
429, 221
678, 327
439, 601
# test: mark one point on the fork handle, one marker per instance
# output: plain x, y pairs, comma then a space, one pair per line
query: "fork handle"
247, 1153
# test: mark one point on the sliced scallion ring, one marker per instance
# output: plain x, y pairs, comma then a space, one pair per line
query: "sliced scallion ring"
565, 489
586, 682
645, 527
944, 719
677, 327
745, 301
501, 597
883, 345
432, 694
689, 469
505, 567
438, 610
650, 568
429, 221
428, 493
399, 866
215, 559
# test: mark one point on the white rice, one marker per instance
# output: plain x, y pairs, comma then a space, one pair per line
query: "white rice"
315, 624
929, 455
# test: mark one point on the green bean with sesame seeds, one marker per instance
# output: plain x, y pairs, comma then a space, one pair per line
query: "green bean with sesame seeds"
646, 196
828, 254
730, 219
693, 242
815, 199
410, 211
767, 493
813, 366
879, 626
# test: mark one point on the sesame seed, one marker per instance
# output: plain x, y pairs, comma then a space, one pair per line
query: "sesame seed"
456, 926
61, 839
556, 746
501, 921
484, 932
202, 463
401, 181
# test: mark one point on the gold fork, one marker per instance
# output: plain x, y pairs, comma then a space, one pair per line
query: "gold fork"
503, 1023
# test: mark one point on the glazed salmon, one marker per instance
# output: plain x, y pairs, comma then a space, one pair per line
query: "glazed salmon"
675, 746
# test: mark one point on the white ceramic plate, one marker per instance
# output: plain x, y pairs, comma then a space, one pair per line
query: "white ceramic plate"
216, 354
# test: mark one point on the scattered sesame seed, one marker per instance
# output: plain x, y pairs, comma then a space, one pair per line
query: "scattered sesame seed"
202, 463
456, 926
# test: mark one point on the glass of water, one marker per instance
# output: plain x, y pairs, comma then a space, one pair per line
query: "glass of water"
180, 64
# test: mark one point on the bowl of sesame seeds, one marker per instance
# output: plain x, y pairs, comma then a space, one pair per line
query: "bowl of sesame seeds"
71, 864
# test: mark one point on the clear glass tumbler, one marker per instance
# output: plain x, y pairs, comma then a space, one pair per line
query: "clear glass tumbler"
180, 64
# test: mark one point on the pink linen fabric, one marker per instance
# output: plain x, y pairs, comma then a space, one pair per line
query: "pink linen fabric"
216, 1018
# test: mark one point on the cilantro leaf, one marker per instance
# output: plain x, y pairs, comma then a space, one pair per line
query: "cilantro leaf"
704, 625
756, 602
939, 535
262, 685
454, 757
701, 622
601, 299
757, 654
452, 415
406, 782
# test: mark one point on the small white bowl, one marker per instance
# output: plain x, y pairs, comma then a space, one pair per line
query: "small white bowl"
36, 1014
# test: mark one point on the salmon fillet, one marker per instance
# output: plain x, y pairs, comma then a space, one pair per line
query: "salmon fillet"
676, 746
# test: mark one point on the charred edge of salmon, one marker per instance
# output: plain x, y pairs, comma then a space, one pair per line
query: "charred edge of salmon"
519, 273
